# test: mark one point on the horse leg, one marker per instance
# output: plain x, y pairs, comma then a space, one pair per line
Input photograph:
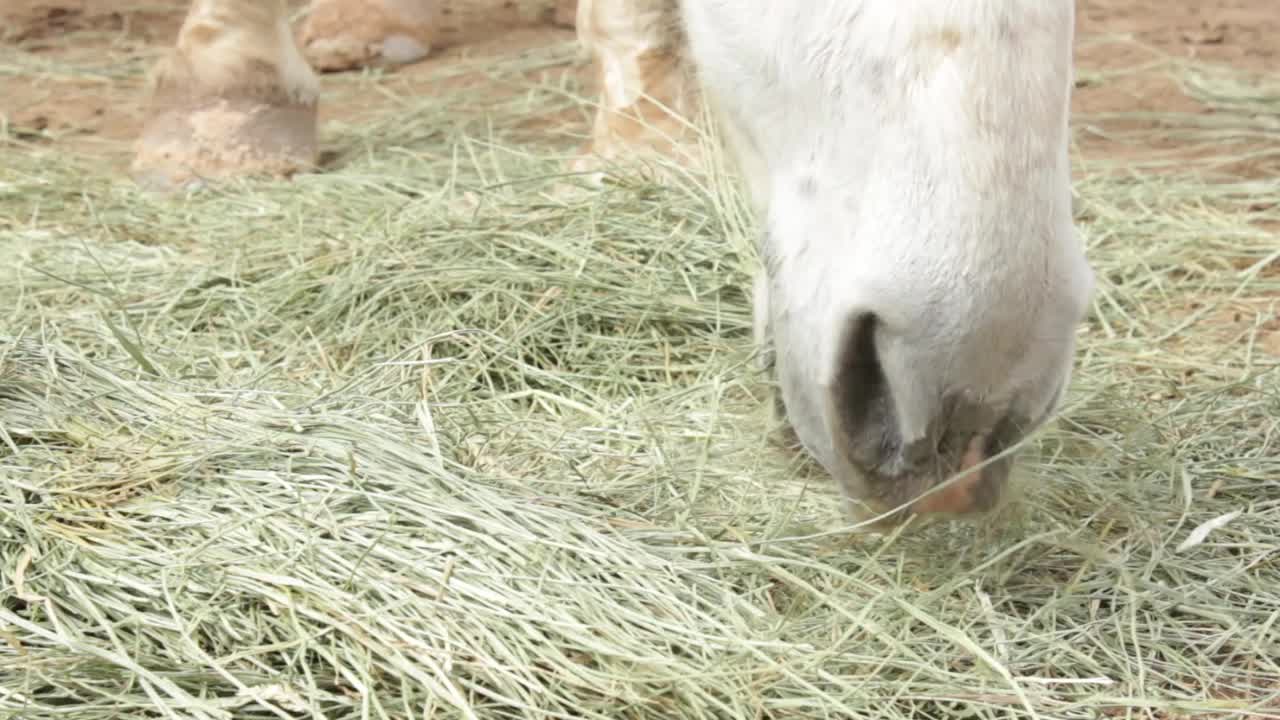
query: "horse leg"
647, 94
346, 34
233, 97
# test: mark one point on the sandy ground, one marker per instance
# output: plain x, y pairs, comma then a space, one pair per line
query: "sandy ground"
87, 90
105, 106
79, 82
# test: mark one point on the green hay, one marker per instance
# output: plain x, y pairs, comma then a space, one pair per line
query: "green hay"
425, 436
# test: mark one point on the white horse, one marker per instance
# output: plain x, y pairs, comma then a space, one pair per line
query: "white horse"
922, 279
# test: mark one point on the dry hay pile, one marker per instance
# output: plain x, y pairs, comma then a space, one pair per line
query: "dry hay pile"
421, 438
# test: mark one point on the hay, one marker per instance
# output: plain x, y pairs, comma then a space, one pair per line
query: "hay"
423, 437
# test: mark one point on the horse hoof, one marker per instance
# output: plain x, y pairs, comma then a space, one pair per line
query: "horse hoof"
346, 34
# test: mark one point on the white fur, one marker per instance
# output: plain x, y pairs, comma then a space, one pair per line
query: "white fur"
933, 137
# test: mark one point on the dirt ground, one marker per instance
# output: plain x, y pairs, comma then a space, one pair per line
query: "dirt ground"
78, 80
98, 110
87, 86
